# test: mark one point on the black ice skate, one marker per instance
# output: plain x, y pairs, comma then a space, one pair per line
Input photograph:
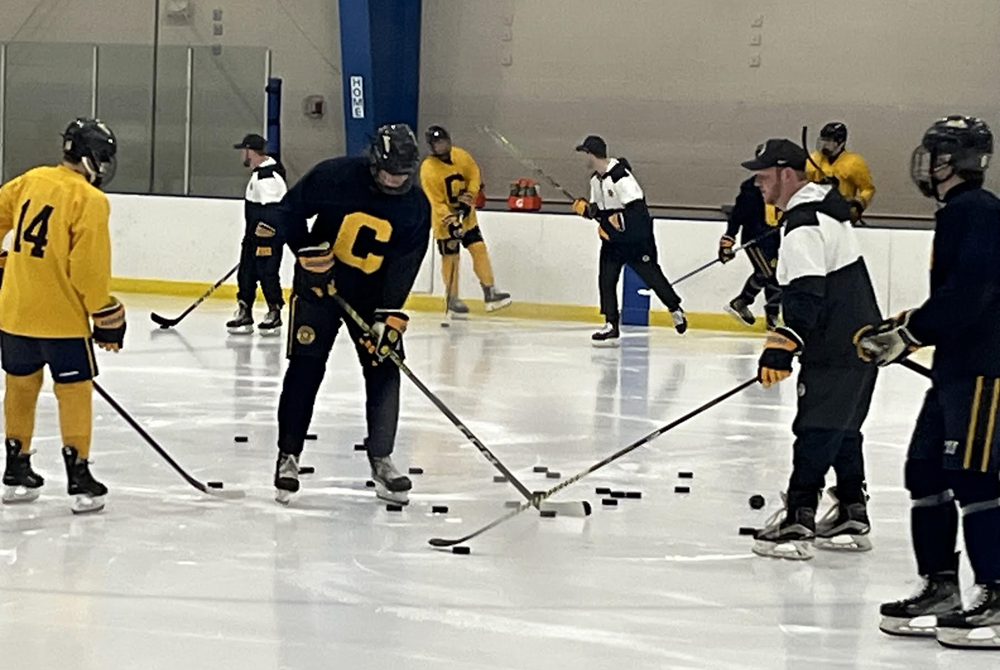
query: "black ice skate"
242, 321
739, 310
495, 299
390, 484
286, 477
88, 492
771, 321
457, 309
918, 616
844, 527
271, 325
21, 483
607, 336
975, 628
788, 535
680, 320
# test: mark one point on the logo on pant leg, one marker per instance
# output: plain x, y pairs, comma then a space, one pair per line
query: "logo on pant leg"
305, 335
802, 390
950, 447
645, 258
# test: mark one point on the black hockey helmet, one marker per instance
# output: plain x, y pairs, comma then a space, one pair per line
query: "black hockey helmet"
835, 131
91, 143
394, 150
437, 134
965, 143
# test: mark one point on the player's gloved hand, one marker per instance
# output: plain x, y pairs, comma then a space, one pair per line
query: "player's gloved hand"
386, 336
314, 276
3, 264
467, 199
265, 235
587, 210
726, 252
857, 209
264, 231
775, 363
887, 342
454, 224
109, 326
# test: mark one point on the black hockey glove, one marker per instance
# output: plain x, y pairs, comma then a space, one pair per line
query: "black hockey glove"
775, 363
887, 342
726, 252
454, 224
265, 235
109, 326
314, 272
856, 211
386, 336
587, 210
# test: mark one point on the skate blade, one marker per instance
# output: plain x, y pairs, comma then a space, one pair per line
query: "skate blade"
457, 316
736, 315
498, 304
984, 637
921, 626
18, 495
86, 504
792, 550
283, 497
855, 543
269, 332
606, 344
242, 330
397, 497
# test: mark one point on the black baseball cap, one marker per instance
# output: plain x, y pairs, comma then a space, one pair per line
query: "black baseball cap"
778, 153
595, 145
252, 141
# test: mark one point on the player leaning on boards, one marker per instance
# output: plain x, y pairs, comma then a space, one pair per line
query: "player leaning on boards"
260, 255
625, 226
826, 295
848, 171
370, 237
55, 281
954, 452
450, 179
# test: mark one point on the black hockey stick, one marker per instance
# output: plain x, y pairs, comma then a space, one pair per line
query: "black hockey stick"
230, 494
441, 542
581, 508
524, 160
164, 322
736, 250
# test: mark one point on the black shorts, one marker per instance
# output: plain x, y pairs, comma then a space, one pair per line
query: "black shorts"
69, 359
449, 247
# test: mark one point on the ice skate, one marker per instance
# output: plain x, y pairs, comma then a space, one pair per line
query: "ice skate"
680, 320
788, 535
495, 299
88, 493
286, 477
271, 325
739, 310
844, 527
975, 628
457, 309
390, 484
771, 321
242, 321
607, 336
918, 616
21, 483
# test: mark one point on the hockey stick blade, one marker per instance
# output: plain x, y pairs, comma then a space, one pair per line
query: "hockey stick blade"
540, 498
163, 322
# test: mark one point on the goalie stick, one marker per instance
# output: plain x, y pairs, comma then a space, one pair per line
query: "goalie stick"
164, 322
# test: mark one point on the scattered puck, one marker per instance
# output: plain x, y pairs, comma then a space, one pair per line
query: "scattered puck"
460, 549
633, 495
540, 469
547, 513
311, 436
214, 485
747, 530
610, 502
757, 501
617, 494
686, 475
445, 324
241, 438
602, 491
307, 470
511, 504
360, 447
416, 471
499, 479
392, 507
439, 509
369, 484
553, 475
682, 489
587, 509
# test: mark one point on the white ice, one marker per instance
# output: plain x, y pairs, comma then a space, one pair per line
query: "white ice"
166, 578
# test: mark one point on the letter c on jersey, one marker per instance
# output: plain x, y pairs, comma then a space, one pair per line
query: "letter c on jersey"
343, 247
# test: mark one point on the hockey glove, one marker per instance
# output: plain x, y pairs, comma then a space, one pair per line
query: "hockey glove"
454, 224
775, 363
468, 200
726, 252
887, 342
264, 231
386, 336
587, 210
265, 239
3, 264
857, 209
314, 274
109, 326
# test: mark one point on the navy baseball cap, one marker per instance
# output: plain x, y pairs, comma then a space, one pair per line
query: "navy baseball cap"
778, 153
254, 142
594, 144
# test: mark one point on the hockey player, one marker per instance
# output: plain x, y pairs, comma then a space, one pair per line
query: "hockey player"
260, 256
847, 170
758, 222
54, 283
625, 227
954, 453
451, 180
370, 236
826, 296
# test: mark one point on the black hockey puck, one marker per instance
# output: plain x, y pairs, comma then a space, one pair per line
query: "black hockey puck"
553, 475
392, 507
445, 324
602, 491
369, 484
633, 495
416, 471
499, 479
311, 436
547, 513
617, 494
540, 469
757, 501
685, 475
307, 470
241, 438
214, 485
439, 509
461, 550
610, 502
587, 509
360, 447
682, 489
747, 530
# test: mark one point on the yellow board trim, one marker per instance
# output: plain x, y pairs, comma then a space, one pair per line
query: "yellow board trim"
970, 438
990, 425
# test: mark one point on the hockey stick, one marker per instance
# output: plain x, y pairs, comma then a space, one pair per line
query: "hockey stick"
581, 508
524, 160
164, 322
231, 494
736, 250
441, 542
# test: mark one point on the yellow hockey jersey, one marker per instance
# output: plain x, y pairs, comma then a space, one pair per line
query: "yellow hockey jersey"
443, 182
59, 268
851, 172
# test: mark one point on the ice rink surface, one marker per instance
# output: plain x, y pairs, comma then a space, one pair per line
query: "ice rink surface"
167, 578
